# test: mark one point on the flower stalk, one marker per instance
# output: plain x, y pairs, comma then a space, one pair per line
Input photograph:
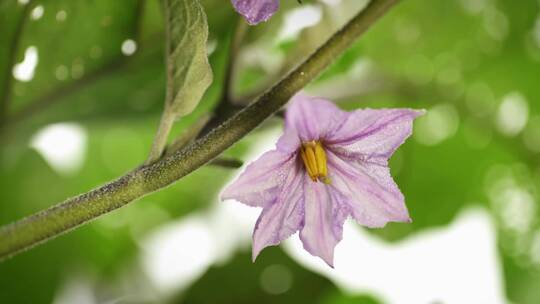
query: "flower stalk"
63, 217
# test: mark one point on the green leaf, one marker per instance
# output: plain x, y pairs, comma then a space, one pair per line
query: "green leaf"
188, 70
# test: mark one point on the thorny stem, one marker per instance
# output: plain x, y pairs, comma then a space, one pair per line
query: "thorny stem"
47, 224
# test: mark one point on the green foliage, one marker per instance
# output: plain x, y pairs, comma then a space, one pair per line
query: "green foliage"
413, 56
188, 70
252, 285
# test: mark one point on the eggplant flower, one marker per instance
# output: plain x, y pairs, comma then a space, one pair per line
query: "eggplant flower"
256, 11
328, 165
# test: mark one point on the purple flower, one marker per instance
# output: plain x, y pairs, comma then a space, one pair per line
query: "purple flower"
329, 164
256, 11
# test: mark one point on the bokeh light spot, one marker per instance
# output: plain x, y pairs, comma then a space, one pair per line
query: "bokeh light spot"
24, 71
513, 114
37, 12
129, 47
440, 123
298, 19
62, 145
77, 69
169, 265
474, 7
495, 23
61, 72
61, 15
276, 279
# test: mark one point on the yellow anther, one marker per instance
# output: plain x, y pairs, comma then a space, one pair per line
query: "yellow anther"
325, 180
306, 164
320, 156
314, 159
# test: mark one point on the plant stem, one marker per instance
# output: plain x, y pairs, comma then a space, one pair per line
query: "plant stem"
236, 41
189, 135
225, 162
59, 219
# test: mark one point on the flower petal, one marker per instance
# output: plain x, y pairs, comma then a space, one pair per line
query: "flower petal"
256, 11
372, 195
289, 142
324, 217
313, 118
373, 133
261, 182
284, 216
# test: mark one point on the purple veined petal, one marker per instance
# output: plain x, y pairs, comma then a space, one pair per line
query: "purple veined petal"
372, 195
373, 133
284, 216
357, 147
289, 142
313, 118
262, 180
256, 11
324, 217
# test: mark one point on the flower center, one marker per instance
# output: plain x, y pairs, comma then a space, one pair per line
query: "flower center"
314, 158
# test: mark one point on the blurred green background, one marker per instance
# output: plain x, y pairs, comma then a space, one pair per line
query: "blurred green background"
85, 97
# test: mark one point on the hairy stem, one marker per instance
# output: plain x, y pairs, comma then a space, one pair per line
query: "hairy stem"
226, 162
59, 219
188, 135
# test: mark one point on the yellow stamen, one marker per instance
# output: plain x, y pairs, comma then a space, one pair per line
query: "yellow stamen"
325, 180
320, 155
314, 159
306, 164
